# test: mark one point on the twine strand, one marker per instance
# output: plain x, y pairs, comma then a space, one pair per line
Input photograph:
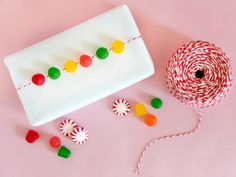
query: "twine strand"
175, 135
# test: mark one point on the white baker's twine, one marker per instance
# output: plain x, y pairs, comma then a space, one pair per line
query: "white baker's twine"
198, 92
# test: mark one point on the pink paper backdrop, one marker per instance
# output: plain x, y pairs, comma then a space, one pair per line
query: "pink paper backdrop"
115, 144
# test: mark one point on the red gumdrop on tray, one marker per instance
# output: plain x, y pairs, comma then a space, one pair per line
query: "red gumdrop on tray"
38, 79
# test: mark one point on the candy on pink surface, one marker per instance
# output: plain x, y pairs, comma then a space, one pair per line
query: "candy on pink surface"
55, 142
31, 136
79, 135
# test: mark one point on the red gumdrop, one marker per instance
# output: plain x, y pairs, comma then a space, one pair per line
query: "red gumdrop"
31, 136
38, 79
85, 60
55, 142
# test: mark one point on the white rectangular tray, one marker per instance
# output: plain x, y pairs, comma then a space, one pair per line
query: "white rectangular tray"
75, 90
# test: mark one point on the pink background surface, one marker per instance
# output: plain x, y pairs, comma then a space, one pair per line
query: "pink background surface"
114, 144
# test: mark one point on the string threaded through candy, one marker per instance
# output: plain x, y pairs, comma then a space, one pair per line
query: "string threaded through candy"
198, 74
77, 62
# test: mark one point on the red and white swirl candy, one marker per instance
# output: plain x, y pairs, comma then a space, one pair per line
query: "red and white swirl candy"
67, 126
121, 107
71, 129
79, 135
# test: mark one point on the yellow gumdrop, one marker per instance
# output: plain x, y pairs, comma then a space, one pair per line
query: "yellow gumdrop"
140, 109
70, 66
118, 46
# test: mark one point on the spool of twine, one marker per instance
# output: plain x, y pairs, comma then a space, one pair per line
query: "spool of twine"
198, 74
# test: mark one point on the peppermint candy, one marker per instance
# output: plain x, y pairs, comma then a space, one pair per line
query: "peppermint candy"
79, 135
121, 107
67, 126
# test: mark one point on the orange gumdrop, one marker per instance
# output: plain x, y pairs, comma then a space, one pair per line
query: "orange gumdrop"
151, 120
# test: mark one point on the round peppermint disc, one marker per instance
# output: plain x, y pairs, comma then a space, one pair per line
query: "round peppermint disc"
79, 135
121, 107
67, 126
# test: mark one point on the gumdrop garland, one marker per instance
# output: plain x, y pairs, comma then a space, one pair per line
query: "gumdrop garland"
71, 66
199, 74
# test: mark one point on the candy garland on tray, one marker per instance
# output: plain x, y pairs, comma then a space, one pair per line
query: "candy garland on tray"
199, 74
85, 60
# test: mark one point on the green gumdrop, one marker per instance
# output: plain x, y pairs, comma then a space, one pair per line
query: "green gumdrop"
156, 103
54, 73
64, 152
102, 53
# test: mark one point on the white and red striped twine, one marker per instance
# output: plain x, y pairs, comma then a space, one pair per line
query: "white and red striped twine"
199, 93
